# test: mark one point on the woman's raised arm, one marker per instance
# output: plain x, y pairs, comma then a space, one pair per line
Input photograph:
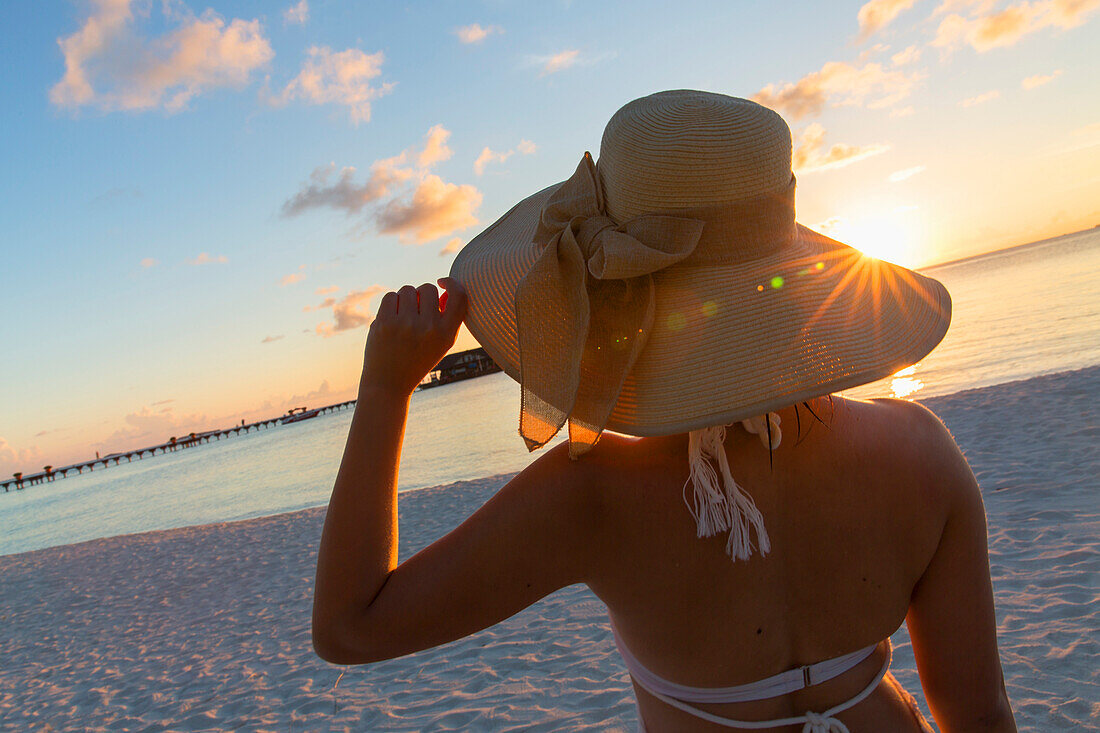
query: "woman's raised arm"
522, 545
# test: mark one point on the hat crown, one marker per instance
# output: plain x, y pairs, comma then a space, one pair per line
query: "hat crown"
683, 149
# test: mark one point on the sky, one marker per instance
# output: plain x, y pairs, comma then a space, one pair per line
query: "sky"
203, 202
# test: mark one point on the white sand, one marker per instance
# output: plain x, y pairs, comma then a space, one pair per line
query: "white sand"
206, 628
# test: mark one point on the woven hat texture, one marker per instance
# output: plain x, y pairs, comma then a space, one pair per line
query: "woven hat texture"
667, 287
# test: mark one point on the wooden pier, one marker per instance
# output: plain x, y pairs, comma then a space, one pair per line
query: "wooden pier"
49, 473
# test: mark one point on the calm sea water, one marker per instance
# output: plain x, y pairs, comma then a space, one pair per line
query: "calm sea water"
1017, 314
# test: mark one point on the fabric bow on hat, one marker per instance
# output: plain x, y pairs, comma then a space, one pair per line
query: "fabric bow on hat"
585, 307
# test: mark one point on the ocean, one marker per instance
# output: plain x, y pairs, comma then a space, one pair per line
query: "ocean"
1017, 314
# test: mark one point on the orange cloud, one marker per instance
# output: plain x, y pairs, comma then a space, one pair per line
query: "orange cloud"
905, 174
525, 147
453, 245
436, 209
877, 14
839, 83
204, 258
1039, 80
326, 291
342, 78
147, 426
24, 460
270, 339
558, 61
980, 99
344, 193
297, 14
435, 147
326, 303
988, 30
903, 58
433, 209
294, 277
148, 262
110, 65
810, 154
475, 33
351, 312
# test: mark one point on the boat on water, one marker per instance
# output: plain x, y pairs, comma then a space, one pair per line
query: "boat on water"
297, 414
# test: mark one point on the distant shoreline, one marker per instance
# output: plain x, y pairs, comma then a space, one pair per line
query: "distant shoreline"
1038, 382
1004, 250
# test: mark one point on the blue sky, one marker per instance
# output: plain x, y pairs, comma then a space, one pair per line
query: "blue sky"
177, 214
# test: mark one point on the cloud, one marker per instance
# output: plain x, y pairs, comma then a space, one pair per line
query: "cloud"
342, 78
475, 33
147, 426
326, 303
980, 99
350, 312
433, 208
490, 156
839, 83
148, 262
905, 173
435, 147
558, 61
269, 339
810, 154
877, 14
525, 147
987, 30
204, 258
326, 291
294, 277
903, 58
343, 193
436, 209
112, 66
24, 460
1006, 27
297, 14
901, 111
453, 245
385, 175
1039, 80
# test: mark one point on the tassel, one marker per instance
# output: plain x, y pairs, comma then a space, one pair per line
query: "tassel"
721, 505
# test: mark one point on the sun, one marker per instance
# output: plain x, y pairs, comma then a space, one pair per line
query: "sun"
890, 236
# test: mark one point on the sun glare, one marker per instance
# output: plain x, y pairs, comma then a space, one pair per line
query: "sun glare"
890, 236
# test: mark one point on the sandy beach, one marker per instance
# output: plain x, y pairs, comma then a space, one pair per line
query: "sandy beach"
207, 628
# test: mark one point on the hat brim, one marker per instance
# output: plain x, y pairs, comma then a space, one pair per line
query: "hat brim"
735, 340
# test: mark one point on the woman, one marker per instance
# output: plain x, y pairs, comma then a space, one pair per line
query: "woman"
753, 574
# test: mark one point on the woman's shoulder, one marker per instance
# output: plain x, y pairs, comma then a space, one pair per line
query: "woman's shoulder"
908, 440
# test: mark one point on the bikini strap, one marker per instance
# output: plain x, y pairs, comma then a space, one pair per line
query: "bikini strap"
774, 686
812, 722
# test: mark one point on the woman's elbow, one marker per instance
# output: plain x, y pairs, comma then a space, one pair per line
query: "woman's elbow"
996, 717
332, 642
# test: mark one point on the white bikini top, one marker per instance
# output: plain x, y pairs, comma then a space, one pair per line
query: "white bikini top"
678, 696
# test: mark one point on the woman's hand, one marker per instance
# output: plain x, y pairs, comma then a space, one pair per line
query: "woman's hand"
411, 332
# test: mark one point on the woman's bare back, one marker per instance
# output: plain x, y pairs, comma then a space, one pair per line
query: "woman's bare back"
855, 508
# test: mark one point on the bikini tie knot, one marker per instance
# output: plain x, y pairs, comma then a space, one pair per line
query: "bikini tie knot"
823, 724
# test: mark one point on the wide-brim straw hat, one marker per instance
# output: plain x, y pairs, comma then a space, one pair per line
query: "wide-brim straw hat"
668, 287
